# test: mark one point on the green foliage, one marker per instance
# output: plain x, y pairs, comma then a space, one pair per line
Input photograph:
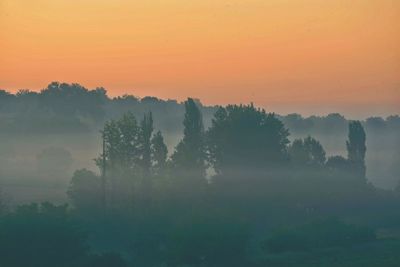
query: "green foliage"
3, 206
85, 191
159, 154
246, 138
318, 234
108, 259
207, 241
63, 98
356, 147
307, 152
380, 253
41, 235
189, 155
146, 132
338, 163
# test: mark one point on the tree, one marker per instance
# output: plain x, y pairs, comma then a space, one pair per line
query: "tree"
107, 259
356, 147
159, 153
73, 99
41, 235
122, 158
5, 98
2, 204
308, 151
146, 132
85, 191
338, 163
298, 154
121, 139
246, 138
316, 151
189, 155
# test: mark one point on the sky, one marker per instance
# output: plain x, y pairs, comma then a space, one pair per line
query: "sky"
304, 56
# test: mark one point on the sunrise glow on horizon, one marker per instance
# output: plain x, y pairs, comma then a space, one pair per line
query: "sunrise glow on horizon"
305, 56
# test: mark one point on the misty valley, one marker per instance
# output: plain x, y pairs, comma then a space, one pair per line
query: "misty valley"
88, 180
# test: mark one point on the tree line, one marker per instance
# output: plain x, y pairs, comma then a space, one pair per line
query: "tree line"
243, 146
62, 107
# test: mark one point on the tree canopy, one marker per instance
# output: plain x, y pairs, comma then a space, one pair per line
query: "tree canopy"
244, 137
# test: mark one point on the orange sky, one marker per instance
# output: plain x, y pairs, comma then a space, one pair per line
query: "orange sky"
307, 56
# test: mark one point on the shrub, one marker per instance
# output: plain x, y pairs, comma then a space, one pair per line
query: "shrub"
318, 234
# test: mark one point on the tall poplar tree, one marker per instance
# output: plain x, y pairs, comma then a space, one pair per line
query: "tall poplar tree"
356, 147
189, 155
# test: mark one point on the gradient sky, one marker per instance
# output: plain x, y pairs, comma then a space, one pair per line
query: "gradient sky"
306, 56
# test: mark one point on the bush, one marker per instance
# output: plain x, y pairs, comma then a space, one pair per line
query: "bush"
209, 242
318, 234
108, 259
41, 235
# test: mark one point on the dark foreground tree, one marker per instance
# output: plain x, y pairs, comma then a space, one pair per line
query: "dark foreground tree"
307, 152
159, 154
356, 148
189, 155
2, 203
41, 235
246, 138
85, 191
338, 163
146, 132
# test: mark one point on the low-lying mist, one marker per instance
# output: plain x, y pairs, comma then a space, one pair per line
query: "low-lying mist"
123, 181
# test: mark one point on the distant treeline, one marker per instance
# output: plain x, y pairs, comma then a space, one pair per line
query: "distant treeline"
62, 107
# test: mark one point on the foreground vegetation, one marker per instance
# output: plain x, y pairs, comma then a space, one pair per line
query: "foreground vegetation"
239, 193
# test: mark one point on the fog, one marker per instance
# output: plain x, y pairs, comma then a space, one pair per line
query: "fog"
161, 183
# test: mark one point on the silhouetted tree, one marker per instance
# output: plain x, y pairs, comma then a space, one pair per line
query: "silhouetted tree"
122, 145
393, 122
298, 153
338, 163
246, 138
189, 155
123, 158
308, 151
146, 183
41, 235
85, 191
5, 98
297, 124
73, 99
315, 150
2, 203
159, 154
356, 147
146, 132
